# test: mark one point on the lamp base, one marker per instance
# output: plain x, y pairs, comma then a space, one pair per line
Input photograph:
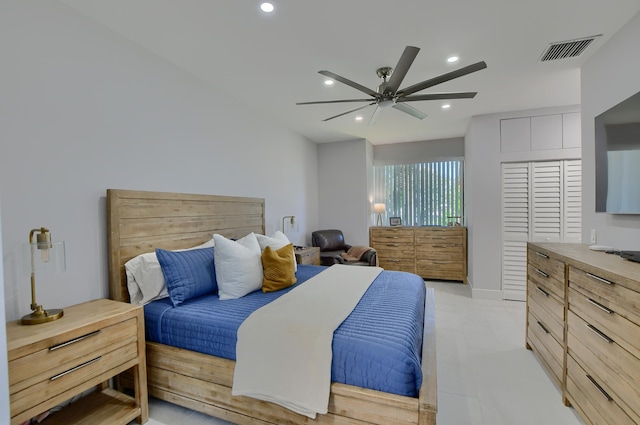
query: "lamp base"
42, 316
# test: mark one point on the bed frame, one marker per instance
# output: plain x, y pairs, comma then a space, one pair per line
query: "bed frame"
139, 222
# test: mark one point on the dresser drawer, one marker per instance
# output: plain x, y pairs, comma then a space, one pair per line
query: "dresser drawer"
390, 235
549, 307
394, 250
401, 265
439, 251
549, 313
602, 314
545, 345
545, 281
593, 398
608, 292
32, 368
610, 364
439, 238
544, 263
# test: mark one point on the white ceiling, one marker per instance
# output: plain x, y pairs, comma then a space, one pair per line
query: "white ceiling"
270, 62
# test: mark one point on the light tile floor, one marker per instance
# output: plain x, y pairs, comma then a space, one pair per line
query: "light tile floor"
485, 375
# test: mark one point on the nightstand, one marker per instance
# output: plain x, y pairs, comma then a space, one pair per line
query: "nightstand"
308, 255
52, 362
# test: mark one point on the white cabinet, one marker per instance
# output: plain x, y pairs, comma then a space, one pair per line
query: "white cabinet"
515, 135
546, 132
540, 133
571, 132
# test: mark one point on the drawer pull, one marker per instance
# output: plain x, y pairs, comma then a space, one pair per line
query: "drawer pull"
393, 244
599, 333
543, 327
599, 388
600, 306
440, 238
542, 255
542, 291
540, 272
440, 246
441, 262
393, 261
73, 369
599, 279
73, 341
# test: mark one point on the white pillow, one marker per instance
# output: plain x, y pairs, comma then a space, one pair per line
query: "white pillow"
145, 280
238, 266
276, 241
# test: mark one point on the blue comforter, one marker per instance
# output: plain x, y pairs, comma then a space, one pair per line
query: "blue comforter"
378, 346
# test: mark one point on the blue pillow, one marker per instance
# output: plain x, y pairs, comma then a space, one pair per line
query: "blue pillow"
189, 274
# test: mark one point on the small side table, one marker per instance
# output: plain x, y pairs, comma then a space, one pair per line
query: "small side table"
308, 255
51, 362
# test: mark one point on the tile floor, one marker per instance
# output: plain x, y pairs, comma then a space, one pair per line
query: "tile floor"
485, 375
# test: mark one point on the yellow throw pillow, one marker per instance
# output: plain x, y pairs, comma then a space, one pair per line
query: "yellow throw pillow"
278, 268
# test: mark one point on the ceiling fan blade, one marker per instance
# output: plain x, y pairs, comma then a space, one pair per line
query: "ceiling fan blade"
349, 83
442, 78
333, 101
438, 96
374, 116
348, 112
401, 69
410, 110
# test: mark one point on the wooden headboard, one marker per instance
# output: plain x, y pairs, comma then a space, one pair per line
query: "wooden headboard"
139, 222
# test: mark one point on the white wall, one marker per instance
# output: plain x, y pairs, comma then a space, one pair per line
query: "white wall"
609, 77
416, 152
483, 194
83, 109
344, 204
4, 365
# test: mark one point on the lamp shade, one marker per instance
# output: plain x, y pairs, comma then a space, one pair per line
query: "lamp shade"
49, 258
379, 208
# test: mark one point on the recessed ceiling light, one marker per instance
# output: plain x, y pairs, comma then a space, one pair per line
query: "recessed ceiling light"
266, 7
446, 106
359, 118
328, 82
453, 59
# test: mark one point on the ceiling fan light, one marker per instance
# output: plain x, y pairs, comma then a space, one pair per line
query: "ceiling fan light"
266, 7
453, 59
359, 118
446, 106
328, 82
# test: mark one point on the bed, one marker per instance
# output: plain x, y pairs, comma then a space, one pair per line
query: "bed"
139, 222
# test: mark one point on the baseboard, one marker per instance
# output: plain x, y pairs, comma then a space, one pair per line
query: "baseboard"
485, 294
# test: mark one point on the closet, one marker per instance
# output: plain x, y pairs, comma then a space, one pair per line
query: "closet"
541, 202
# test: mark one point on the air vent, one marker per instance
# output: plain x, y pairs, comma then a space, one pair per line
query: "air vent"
567, 49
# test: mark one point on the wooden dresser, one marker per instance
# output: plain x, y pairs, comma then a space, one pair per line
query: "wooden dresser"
53, 362
583, 322
430, 252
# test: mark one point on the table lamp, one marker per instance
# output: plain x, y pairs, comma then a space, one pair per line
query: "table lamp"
43, 255
379, 209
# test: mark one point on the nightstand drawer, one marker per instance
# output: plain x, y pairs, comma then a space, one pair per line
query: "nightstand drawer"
32, 368
70, 377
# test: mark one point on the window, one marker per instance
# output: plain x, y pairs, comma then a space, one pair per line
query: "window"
424, 194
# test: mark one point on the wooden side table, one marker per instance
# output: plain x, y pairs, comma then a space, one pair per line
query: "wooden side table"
308, 255
52, 362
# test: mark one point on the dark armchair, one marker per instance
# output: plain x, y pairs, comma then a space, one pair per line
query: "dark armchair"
333, 250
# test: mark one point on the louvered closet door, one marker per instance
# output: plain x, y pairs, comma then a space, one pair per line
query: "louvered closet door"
541, 202
546, 201
572, 224
515, 229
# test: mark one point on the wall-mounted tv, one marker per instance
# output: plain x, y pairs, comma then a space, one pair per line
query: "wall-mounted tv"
617, 137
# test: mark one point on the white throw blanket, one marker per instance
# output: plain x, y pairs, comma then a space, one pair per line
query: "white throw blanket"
283, 354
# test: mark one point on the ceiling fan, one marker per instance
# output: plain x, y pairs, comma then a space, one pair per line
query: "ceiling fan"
389, 92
